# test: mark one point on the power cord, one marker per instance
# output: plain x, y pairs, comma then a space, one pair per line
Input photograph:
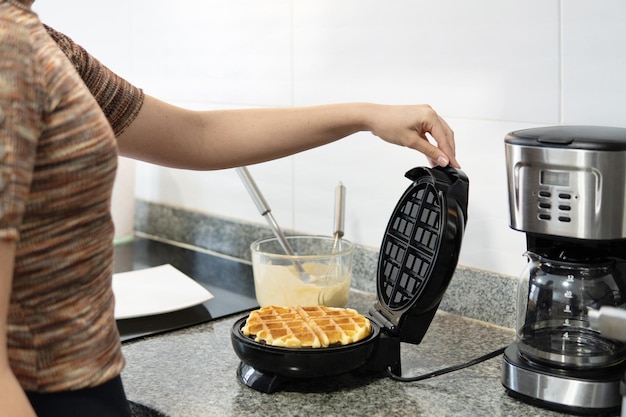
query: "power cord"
446, 370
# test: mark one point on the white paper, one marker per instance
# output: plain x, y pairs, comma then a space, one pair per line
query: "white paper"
157, 290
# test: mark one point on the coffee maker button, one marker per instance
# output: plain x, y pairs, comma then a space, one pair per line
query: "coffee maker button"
543, 216
565, 196
544, 194
564, 207
564, 219
545, 205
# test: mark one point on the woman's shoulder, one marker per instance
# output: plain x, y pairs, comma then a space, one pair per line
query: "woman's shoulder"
16, 26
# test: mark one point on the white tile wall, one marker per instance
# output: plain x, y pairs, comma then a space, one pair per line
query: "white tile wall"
594, 69
487, 66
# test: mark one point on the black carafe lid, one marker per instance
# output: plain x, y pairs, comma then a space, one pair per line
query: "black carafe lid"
420, 250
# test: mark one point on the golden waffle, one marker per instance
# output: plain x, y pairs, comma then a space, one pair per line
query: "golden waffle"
315, 326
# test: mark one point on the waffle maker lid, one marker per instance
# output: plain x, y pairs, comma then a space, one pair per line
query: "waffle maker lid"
420, 250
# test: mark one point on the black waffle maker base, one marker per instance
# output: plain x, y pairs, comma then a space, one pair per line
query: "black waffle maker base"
417, 259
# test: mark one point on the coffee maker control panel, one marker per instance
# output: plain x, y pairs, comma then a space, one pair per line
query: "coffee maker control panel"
556, 198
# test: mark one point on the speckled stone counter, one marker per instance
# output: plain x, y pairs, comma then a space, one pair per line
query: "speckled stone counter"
192, 373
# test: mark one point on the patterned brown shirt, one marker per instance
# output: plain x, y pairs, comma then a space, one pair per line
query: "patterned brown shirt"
58, 159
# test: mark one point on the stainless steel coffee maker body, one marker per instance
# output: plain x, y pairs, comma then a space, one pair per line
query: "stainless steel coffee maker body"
568, 181
567, 192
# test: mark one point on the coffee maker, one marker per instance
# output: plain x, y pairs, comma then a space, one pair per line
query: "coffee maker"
567, 192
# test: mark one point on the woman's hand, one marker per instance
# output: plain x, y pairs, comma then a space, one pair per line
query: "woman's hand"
410, 126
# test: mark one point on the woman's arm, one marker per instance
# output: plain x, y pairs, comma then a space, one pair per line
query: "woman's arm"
12, 397
203, 140
152, 130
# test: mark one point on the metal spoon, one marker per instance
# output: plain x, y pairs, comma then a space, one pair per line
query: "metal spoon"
340, 205
266, 212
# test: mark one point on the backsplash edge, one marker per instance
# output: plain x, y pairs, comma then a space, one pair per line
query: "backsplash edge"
477, 294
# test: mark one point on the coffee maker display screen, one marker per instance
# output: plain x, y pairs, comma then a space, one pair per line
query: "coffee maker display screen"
555, 178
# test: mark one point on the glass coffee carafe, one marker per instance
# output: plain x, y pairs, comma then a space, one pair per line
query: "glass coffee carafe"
554, 297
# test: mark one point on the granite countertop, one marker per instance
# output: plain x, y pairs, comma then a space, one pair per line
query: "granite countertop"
192, 372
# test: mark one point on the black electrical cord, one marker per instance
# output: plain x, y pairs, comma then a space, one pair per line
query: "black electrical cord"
446, 370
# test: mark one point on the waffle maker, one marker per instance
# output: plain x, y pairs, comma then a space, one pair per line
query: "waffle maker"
417, 259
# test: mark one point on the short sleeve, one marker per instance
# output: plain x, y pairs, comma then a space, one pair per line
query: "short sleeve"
119, 99
20, 124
